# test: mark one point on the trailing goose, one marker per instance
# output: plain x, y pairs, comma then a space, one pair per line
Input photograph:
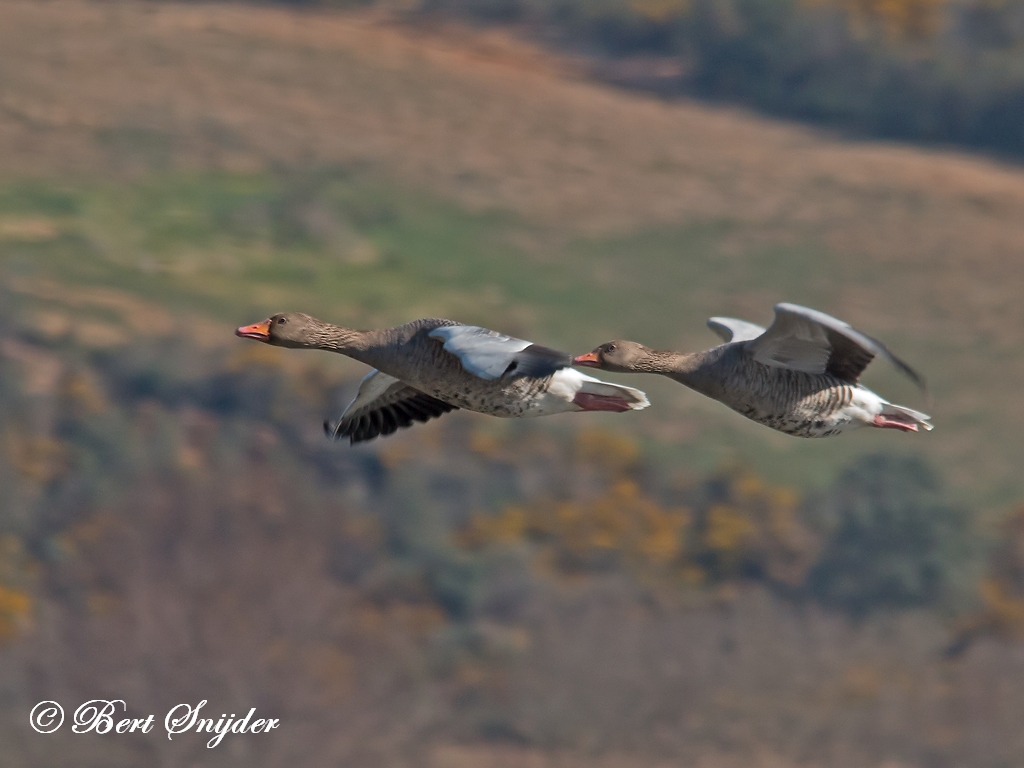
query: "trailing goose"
427, 368
799, 376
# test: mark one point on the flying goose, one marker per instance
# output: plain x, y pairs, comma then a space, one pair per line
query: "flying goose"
799, 376
429, 367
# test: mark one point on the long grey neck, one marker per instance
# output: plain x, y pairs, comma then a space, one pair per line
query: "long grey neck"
667, 362
336, 338
378, 348
689, 368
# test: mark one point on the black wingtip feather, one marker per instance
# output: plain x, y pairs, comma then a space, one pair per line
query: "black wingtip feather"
903, 367
388, 419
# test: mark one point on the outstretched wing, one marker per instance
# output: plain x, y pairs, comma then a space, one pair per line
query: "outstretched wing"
803, 339
491, 355
731, 329
384, 405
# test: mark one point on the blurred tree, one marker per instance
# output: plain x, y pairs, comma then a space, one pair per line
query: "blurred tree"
1001, 592
621, 527
732, 526
894, 541
746, 529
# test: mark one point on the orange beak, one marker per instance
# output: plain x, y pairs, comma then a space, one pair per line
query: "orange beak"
588, 360
259, 331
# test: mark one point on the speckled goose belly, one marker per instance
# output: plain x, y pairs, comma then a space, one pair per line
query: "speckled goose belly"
510, 399
447, 381
800, 404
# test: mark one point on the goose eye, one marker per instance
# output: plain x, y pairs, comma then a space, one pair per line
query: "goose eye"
282, 320
611, 348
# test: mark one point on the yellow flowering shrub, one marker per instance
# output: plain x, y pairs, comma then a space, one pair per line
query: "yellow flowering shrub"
899, 19
623, 525
607, 451
660, 10
15, 602
15, 607
738, 527
37, 459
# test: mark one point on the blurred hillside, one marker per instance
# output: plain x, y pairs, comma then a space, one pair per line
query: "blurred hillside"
676, 586
231, 161
935, 71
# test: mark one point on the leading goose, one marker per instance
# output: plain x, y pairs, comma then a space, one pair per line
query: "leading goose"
427, 368
799, 376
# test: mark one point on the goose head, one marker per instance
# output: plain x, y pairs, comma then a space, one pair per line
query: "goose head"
286, 329
620, 356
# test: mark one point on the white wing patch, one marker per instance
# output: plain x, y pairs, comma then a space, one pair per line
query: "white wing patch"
482, 352
732, 329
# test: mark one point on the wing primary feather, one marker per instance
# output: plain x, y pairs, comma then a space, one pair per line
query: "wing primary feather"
903, 367
401, 415
362, 428
383, 410
415, 411
390, 423
807, 340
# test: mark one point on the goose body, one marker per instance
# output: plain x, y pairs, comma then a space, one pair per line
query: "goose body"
426, 368
799, 376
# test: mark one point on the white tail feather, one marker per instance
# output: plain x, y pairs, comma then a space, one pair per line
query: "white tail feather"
916, 416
